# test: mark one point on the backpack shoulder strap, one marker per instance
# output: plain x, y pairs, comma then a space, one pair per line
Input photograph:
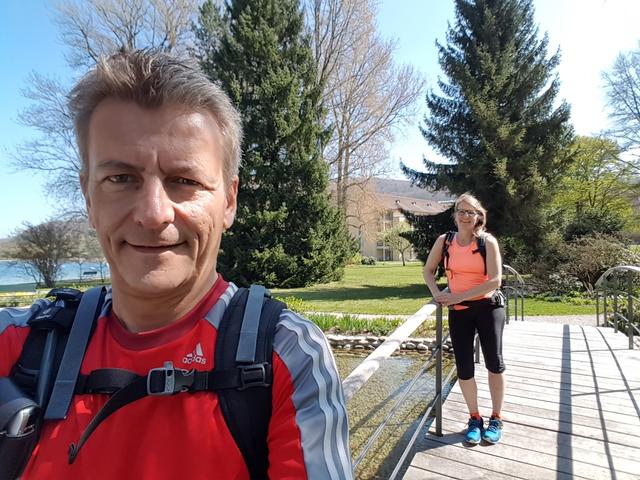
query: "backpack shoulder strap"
481, 242
448, 238
81, 330
44, 346
245, 340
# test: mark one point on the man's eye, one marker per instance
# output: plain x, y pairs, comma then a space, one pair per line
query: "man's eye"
122, 178
186, 181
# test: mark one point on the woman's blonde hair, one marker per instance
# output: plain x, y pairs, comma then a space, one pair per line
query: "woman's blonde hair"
481, 219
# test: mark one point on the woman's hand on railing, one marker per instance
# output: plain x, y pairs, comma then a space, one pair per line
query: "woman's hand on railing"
447, 298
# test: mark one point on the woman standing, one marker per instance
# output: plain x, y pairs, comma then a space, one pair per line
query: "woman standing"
475, 305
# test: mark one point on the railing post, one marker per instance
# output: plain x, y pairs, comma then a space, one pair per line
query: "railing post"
611, 284
522, 306
605, 322
630, 309
506, 306
615, 305
439, 371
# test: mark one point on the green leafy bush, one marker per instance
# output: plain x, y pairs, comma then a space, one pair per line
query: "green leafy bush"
356, 259
592, 222
296, 304
357, 325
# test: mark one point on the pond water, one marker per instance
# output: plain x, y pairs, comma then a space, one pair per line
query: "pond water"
14, 272
370, 405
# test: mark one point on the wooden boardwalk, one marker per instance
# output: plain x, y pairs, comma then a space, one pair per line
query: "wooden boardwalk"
572, 410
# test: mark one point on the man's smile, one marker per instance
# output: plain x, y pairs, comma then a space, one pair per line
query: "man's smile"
154, 248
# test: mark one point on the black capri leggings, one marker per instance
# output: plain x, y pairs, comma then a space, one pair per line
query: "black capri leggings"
488, 321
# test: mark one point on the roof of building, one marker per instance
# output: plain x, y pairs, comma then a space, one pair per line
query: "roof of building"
414, 205
404, 188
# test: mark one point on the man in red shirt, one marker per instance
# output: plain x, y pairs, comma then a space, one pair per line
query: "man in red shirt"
160, 148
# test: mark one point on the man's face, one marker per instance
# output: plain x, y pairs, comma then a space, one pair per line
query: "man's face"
156, 196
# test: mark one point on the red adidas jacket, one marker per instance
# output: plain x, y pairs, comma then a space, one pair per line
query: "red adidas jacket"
185, 435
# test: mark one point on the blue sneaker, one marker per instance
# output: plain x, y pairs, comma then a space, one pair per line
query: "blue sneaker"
474, 431
493, 433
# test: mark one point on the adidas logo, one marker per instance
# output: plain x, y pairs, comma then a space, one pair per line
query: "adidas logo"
197, 356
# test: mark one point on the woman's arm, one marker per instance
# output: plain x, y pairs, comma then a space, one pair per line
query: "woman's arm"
431, 265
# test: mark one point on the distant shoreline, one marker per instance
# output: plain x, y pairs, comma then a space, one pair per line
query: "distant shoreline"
13, 278
18, 287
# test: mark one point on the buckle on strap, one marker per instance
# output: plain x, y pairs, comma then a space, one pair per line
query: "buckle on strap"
168, 380
256, 375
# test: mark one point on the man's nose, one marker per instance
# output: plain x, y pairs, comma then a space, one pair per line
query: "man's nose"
153, 207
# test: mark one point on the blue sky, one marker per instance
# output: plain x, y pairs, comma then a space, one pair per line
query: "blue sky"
590, 34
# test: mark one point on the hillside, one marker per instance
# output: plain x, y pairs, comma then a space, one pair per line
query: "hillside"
6, 245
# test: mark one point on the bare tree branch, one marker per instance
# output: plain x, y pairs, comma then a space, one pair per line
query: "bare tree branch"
367, 96
90, 29
622, 87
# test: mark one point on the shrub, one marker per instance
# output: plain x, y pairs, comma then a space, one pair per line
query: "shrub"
592, 222
356, 259
296, 304
368, 261
587, 258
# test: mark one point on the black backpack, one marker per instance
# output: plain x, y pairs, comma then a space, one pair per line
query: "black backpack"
242, 376
482, 250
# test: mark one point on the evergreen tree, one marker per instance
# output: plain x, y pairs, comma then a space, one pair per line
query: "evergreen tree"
495, 119
426, 229
286, 233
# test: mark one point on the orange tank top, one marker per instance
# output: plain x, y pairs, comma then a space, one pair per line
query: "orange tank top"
465, 269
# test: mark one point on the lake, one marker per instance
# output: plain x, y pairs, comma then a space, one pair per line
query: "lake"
13, 272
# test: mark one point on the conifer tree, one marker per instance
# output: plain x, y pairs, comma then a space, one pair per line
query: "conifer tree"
286, 233
495, 118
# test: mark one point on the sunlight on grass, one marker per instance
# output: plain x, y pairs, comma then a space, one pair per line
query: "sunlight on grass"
391, 289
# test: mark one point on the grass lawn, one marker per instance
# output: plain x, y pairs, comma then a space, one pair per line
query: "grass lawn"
391, 289
383, 289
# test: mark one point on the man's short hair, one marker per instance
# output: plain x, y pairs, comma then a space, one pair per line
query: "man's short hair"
152, 79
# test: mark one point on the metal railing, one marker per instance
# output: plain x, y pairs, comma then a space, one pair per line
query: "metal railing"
513, 287
614, 286
367, 368
436, 402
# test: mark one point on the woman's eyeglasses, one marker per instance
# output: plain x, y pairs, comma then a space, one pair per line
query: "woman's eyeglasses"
467, 213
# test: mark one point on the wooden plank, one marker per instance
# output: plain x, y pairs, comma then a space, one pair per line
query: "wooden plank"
486, 458
558, 423
554, 410
576, 390
445, 466
604, 372
584, 449
607, 403
505, 455
414, 473
621, 403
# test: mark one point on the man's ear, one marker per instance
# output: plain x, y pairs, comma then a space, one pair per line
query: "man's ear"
231, 203
87, 199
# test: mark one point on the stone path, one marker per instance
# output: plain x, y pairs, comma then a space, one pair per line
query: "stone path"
563, 319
